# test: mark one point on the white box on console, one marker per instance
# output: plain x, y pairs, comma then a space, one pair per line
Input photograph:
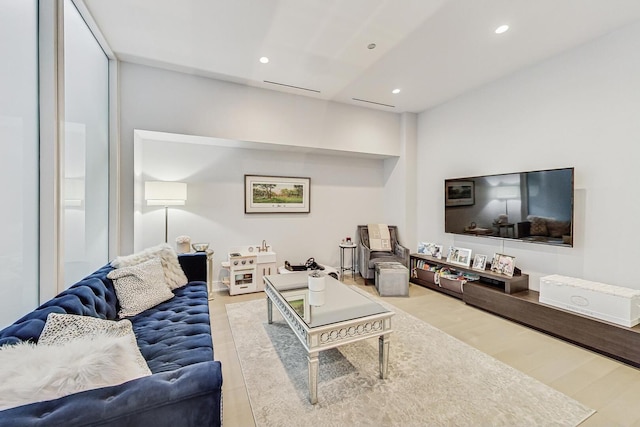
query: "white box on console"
614, 304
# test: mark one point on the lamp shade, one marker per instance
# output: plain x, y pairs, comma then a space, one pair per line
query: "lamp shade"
508, 192
164, 193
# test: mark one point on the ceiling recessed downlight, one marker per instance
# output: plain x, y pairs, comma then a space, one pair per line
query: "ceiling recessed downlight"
264, 60
501, 29
371, 46
395, 91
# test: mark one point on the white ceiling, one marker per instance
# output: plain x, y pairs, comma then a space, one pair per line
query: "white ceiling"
433, 50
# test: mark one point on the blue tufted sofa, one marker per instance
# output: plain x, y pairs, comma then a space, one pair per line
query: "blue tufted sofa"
185, 388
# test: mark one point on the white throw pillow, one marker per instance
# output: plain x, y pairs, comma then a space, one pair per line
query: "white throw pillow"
140, 287
33, 373
174, 275
63, 328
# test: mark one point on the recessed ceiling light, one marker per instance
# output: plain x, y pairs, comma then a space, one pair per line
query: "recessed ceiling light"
395, 91
501, 29
371, 46
264, 60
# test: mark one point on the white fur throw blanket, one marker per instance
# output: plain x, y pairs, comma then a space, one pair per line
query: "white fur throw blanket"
379, 237
33, 373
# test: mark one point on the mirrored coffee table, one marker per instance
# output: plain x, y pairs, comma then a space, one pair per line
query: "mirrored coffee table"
337, 316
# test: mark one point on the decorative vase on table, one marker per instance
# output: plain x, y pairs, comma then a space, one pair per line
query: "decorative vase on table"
183, 244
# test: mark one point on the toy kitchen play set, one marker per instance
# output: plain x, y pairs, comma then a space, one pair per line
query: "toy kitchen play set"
247, 266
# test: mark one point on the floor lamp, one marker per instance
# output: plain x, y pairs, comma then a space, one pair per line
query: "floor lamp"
165, 193
506, 193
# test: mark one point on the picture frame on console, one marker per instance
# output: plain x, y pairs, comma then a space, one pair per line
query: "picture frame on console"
459, 256
479, 262
276, 194
431, 249
503, 264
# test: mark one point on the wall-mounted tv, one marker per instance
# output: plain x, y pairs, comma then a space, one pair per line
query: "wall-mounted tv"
534, 206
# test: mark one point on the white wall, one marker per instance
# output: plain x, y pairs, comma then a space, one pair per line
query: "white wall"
578, 109
400, 183
345, 192
166, 101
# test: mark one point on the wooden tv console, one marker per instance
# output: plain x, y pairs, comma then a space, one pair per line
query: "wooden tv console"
523, 306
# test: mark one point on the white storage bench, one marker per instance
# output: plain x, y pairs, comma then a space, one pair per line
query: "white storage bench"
392, 279
606, 302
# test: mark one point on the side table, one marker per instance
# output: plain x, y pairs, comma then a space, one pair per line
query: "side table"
509, 229
352, 249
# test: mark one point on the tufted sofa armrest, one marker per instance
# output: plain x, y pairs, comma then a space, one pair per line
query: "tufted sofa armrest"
189, 396
194, 266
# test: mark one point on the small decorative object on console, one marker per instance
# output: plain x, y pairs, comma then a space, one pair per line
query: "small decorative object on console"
430, 249
459, 256
479, 262
503, 264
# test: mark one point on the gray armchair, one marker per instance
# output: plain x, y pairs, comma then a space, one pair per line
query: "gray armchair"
367, 258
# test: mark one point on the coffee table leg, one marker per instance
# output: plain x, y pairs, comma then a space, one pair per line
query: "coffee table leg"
269, 310
313, 377
383, 354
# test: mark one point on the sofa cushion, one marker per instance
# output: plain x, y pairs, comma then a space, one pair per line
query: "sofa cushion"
174, 275
140, 287
538, 226
176, 333
92, 296
558, 228
377, 257
33, 373
63, 328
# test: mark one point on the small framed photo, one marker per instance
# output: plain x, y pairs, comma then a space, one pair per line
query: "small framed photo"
298, 300
479, 262
431, 249
459, 256
503, 264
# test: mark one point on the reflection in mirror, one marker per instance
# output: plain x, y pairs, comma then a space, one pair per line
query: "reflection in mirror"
532, 206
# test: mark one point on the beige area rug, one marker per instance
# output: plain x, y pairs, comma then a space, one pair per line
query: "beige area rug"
434, 380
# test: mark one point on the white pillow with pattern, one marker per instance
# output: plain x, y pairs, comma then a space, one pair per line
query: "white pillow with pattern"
140, 287
174, 275
63, 328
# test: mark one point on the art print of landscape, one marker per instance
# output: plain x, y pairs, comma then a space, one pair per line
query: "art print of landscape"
280, 193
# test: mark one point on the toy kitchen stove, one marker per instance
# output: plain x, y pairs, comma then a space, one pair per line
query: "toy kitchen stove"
247, 266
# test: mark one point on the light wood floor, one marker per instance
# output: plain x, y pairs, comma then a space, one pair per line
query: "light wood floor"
610, 387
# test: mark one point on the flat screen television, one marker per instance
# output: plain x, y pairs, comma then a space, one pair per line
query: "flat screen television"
534, 206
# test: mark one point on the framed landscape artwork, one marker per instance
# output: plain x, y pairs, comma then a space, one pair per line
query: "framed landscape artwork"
459, 193
276, 194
